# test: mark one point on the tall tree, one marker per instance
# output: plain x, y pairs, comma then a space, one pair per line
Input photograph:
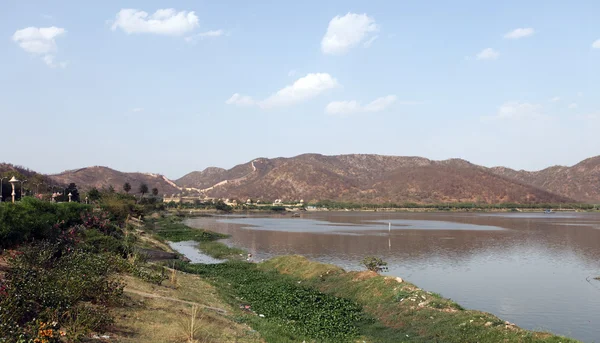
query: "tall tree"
155, 191
72, 188
94, 194
143, 189
126, 187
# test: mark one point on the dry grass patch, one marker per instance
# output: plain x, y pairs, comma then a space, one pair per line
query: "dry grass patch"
182, 314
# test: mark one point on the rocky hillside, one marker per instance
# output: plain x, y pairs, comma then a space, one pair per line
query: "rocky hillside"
580, 182
365, 178
100, 177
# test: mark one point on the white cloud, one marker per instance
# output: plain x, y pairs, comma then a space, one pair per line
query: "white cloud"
49, 60
370, 41
302, 89
240, 100
164, 21
203, 35
349, 107
343, 107
596, 44
573, 105
137, 109
40, 41
487, 54
345, 32
555, 99
520, 33
518, 110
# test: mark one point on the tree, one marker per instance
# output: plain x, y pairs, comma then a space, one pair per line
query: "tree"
111, 189
127, 187
155, 191
374, 264
143, 189
94, 194
72, 188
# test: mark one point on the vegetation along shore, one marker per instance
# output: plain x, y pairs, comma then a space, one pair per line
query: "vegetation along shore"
72, 273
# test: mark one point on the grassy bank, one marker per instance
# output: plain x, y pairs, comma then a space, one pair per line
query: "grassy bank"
172, 229
290, 299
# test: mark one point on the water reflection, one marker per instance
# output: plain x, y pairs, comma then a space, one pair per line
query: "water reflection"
530, 269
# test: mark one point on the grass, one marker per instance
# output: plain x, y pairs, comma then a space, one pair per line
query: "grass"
171, 229
420, 317
162, 318
220, 250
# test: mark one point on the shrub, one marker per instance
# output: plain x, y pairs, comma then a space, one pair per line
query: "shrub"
46, 281
374, 264
32, 219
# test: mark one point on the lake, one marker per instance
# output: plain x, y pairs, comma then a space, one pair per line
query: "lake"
533, 269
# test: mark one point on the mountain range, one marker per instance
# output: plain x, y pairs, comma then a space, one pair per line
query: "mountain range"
364, 178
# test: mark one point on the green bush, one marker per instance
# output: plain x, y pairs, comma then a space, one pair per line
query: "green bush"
374, 264
46, 281
32, 219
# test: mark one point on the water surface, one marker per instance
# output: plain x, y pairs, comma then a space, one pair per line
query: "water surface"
532, 269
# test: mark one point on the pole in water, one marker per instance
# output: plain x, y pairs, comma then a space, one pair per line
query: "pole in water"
389, 235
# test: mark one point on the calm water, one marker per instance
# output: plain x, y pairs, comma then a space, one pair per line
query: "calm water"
531, 269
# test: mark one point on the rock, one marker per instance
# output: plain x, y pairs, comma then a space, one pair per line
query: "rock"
399, 280
488, 324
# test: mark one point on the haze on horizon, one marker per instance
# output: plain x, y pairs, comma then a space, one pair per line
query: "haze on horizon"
141, 86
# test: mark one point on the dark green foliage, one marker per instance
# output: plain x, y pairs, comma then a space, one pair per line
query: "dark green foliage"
221, 206
374, 264
72, 189
171, 229
48, 281
94, 194
143, 189
298, 311
33, 219
155, 191
126, 187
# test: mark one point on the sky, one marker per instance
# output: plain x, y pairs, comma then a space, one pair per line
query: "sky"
176, 86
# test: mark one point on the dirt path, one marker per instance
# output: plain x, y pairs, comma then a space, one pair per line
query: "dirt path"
156, 296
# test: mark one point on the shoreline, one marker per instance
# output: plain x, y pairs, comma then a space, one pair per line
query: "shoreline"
351, 284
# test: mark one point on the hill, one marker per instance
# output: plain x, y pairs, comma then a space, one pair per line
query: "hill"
580, 182
365, 178
100, 177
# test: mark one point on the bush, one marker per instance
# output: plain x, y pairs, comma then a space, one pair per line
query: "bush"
47, 281
374, 264
32, 219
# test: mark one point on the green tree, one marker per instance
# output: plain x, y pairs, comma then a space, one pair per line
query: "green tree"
374, 264
94, 194
126, 187
143, 189
155, 191
72, 188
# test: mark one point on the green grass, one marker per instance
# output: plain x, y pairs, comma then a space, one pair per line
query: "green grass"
220, 250
171, 229
420, 317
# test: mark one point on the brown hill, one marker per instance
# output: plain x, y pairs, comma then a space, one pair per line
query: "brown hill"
365, 178
100, 177
580, 182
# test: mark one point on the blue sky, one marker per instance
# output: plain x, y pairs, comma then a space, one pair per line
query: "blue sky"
219, 83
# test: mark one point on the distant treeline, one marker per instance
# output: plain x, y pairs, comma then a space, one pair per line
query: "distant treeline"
452, 205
